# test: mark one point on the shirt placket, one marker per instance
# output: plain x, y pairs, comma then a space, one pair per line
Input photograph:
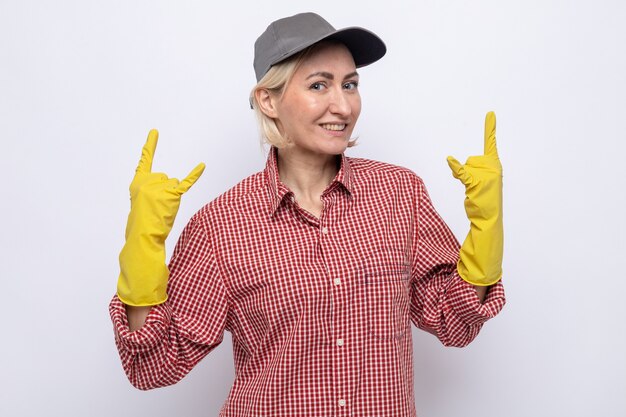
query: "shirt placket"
339, 341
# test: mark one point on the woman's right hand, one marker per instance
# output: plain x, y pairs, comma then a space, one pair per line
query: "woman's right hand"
155, 200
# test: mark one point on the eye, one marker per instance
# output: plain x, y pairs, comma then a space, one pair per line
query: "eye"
351, 85
317, 86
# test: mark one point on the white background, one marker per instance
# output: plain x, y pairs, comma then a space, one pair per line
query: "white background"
82, 82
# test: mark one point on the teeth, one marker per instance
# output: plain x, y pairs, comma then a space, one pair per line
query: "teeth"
334, 127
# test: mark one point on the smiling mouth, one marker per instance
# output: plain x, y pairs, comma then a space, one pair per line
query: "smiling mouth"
334, 127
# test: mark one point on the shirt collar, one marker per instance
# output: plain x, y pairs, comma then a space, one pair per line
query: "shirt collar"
278, 191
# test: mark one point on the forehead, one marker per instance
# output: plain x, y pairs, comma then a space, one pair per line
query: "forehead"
331, 57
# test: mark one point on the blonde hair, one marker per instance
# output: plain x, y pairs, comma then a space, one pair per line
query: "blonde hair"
275, 81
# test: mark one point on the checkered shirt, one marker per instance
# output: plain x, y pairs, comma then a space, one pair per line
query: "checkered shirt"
319, 308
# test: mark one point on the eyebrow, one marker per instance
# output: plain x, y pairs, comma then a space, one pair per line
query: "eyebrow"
330, 76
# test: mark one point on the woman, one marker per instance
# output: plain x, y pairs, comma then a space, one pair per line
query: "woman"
316, 265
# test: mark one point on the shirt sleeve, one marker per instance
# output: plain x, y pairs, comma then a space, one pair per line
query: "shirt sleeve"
180, 332
442, 303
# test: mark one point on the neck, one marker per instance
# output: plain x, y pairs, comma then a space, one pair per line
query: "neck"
306, 175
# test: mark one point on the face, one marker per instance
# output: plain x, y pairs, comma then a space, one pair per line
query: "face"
321, 103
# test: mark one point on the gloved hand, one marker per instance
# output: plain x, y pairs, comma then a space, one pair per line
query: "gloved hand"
154, 199
480, 261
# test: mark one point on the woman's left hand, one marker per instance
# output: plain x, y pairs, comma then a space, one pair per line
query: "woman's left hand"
480, 261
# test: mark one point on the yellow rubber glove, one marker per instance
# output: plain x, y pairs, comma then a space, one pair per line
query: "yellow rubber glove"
154, 201
480, 261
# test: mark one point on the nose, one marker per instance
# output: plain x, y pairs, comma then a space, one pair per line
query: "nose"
340, 104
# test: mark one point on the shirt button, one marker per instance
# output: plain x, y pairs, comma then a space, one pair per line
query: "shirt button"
324, 230
339, 342
342, 403
337, 281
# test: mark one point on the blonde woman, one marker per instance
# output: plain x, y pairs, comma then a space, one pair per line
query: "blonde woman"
318, 264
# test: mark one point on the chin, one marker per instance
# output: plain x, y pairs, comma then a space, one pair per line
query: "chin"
336, 148
321, 146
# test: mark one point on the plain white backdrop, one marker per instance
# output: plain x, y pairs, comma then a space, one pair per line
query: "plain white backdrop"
82, 82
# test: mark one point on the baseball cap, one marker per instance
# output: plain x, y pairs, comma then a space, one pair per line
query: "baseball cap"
290, 35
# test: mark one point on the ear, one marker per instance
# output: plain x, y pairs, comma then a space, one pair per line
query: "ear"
266, 102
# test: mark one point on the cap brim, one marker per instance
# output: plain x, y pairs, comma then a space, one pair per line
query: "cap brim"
365, 46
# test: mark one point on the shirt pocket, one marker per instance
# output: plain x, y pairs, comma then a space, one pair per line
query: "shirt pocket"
387, 295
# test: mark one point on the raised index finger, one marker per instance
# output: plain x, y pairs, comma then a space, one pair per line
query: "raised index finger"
490, 134
147, 153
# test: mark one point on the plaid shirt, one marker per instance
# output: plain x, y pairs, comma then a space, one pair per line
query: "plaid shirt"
319, 308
